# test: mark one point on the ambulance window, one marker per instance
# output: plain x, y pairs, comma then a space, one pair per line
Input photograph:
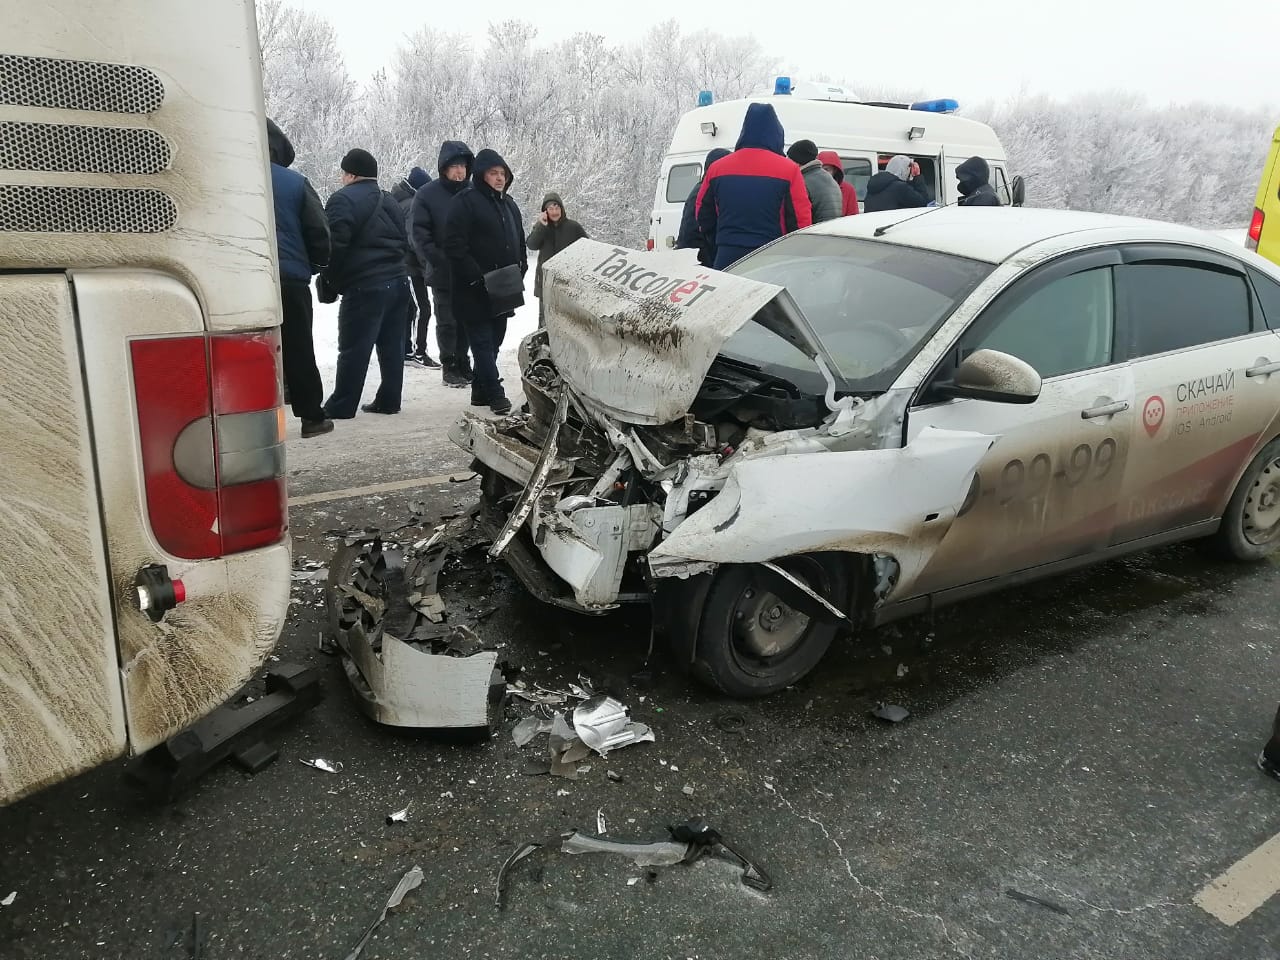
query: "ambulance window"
1001, 185
681, 179
857, 172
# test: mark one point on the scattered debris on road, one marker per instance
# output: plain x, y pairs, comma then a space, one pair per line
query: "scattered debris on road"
321, 764
410, 881
1021, 897
8, 901
660, 853
890, 712
400, 816
603, 724
522, 851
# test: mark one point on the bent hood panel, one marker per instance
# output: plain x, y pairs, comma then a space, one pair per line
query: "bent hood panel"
636, 332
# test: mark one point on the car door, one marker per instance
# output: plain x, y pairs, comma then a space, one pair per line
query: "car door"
1207, 380
1049, 487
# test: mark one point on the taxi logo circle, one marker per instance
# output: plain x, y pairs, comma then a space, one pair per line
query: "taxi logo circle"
1153, 415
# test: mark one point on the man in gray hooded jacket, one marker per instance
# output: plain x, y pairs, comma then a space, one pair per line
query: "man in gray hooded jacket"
824, 192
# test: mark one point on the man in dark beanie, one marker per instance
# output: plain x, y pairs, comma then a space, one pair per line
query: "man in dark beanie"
415, 347
552, 233
824, 192
366, 267
484, 241
302, 248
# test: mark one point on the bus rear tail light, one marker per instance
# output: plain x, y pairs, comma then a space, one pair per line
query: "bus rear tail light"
212, 430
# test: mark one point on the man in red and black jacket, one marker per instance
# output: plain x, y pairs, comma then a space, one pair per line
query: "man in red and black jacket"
755, 194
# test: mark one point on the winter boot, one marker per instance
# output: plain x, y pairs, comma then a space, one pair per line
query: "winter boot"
315, 428
450, 373
1269, 759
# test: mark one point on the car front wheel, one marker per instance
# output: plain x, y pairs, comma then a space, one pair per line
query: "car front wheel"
1250, 527
749, 642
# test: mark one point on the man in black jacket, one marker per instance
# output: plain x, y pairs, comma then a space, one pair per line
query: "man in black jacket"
483, 234
366, 266
898, 186
973, 180
415, 344
302, 247
552, 233
426, 233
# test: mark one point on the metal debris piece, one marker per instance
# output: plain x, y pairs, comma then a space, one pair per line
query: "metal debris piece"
632, 881
602, 723
410, 881
601, 827
661, 853
520, 852
8, 901
1021, 897
614, 776
687, 789
562, 793
891, 712
400, 816
702, 837
552, 698
316, 573
530, 727
321, 764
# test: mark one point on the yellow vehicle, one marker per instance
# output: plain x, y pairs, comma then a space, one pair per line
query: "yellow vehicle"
1267, 207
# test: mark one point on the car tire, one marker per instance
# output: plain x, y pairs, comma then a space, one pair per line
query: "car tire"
1250, 528
738, 627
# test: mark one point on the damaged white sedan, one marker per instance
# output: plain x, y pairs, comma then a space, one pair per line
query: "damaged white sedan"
876, 416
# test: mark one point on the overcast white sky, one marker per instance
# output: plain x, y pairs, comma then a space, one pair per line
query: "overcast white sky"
1167, 49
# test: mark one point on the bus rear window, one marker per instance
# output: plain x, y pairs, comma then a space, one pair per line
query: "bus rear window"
681, 180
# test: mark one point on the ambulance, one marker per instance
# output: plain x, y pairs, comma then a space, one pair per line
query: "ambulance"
865, 135
1264, 227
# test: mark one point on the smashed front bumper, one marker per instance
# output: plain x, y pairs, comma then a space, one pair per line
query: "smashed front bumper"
435, 674
584, 541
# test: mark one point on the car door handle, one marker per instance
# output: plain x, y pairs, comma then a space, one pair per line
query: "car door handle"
1106, 410
1263, 368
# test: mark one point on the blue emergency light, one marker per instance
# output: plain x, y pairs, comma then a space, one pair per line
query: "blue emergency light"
782, 87
936, 106
705, 98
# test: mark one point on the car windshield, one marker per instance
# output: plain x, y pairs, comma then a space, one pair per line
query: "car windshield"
872, 304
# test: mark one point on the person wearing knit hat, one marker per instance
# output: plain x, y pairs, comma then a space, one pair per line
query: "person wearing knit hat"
552, 232
419, 315
824, 193
360, 163
367, 269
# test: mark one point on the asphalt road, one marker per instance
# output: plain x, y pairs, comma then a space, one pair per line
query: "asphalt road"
1088, 742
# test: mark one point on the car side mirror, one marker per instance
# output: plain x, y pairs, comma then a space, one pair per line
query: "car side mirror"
993, 376
1019, 191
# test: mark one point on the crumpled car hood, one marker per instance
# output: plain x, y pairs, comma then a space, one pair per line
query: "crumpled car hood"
636, 332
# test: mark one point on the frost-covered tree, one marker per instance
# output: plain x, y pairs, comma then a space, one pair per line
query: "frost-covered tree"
592, 120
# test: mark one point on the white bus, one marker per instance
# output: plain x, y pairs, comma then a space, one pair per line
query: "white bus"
865, 135
144, 556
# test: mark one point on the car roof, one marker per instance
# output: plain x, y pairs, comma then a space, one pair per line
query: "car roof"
995, 234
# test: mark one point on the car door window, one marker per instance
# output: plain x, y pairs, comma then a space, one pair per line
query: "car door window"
1181, 304
1001, 185
1064, 326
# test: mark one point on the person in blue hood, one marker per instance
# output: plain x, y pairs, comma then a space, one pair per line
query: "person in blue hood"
754, 195
690, 237
302, 245
484, 241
